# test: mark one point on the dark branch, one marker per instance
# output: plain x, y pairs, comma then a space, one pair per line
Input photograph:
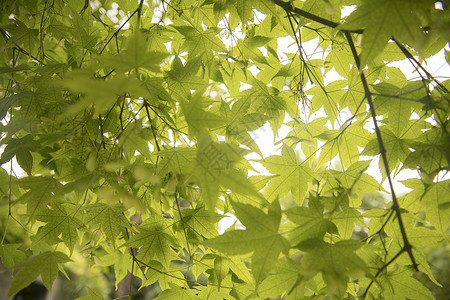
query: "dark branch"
418, 64
118, 30
287, 6
146, 105
381, 270
395, 206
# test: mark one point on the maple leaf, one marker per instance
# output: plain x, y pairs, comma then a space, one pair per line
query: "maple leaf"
199, 223
121, 262
198, 118
307, 223
290, 175
41, 191
134, 139
92, 295
155, 241
354, 180
244, 9
437, 205
59, 221
262, 99
110, 217
327, 97
201, 43
136, 56
346, 219
287, 275
46, 264
344, 143
382, 19
397, 106
397, 148
156, 272
260, 237
183, 78
21, 149
335, 261
160, 107
399, 284
249, 48
11, 256
177, 160
176, 292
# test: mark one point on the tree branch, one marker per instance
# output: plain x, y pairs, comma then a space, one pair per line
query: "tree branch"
395, 206
118, 30
287, 6
418, 64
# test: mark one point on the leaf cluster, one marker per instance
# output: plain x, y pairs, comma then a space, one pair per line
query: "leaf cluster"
129, 130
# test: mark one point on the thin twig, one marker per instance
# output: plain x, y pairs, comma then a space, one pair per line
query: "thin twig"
381, 270
184, 227
101, 131
7, 38
41, 32
162, 119
139, 12
146, 105
117, 31
411, 57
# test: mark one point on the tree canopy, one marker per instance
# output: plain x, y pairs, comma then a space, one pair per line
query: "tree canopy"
130, 128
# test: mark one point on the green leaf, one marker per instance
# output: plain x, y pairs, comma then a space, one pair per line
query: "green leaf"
137, 55
396, 106
260, 237
382, 19
41, 191
121, 261
101, 92
155, 241
11, 256
199, 223
290, 175
288, 274
354, 180
344, 143
197, 118
327, 97
144, 123
176, 292
8, 102
437, 205
110, 217
399, 284
21, 148
183, 78
46, 264
59, 221
346, 219
335, 261
92, 295
177, 160
201, 43
397, 148
244, 9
